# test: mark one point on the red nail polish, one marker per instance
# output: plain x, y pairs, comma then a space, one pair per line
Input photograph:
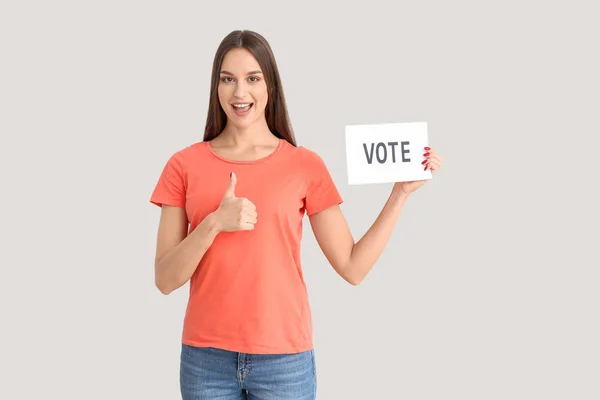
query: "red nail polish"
424, 161
427, 148
425, 169
426, 154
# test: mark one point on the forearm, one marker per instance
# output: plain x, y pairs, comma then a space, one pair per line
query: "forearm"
176, 267
367, 250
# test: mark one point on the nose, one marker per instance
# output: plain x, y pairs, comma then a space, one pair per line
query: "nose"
240, 90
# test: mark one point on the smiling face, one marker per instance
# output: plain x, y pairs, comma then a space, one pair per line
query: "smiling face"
243, 92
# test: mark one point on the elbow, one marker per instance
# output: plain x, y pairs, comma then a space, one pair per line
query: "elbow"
167, 286
349, 274
354, 273
166, 292
163, 288
162, 285
354, 281
164, 282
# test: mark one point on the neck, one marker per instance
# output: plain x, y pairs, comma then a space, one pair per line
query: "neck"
256, 134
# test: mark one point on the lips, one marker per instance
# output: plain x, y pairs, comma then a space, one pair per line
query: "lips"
241, 109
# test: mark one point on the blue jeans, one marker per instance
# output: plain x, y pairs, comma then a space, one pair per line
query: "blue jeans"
210, 373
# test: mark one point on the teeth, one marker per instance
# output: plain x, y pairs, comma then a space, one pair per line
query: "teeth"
241, 105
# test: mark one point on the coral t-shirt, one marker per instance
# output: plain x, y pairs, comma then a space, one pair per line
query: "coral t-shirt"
248, 292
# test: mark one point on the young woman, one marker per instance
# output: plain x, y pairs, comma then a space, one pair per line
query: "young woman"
243, 190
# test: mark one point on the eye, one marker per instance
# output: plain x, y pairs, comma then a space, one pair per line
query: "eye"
225, 79
254, 79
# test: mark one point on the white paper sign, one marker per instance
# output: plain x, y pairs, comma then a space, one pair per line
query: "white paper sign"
384, 153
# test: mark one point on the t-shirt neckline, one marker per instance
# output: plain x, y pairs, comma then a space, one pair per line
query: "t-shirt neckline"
259, 160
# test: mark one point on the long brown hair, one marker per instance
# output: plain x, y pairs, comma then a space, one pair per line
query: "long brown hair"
276, 112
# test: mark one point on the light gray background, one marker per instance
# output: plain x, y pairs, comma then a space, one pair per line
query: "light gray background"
488, 288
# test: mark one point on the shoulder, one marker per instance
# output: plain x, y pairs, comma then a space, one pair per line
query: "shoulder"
181, 156
310, 165
190, 150
307, 157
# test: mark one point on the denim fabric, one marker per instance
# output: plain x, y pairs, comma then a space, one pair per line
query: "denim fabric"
210, 373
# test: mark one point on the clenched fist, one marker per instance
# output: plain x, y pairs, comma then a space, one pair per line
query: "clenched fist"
235, 213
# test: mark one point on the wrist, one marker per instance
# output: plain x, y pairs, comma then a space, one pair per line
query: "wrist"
398, 193
213, 222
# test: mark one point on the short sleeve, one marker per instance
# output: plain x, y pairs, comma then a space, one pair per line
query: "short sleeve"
321, 192
170, 188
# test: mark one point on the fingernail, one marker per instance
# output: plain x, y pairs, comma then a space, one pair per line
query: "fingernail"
427, 148
425, 169
426, 154
424, 161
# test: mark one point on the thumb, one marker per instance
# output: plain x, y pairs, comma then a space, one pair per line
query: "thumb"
230, 192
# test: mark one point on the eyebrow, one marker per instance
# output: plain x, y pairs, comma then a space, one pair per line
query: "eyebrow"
249, 73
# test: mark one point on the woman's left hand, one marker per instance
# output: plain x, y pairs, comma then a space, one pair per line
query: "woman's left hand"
432, 162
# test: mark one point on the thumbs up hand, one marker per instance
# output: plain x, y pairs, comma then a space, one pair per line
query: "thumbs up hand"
235, 213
